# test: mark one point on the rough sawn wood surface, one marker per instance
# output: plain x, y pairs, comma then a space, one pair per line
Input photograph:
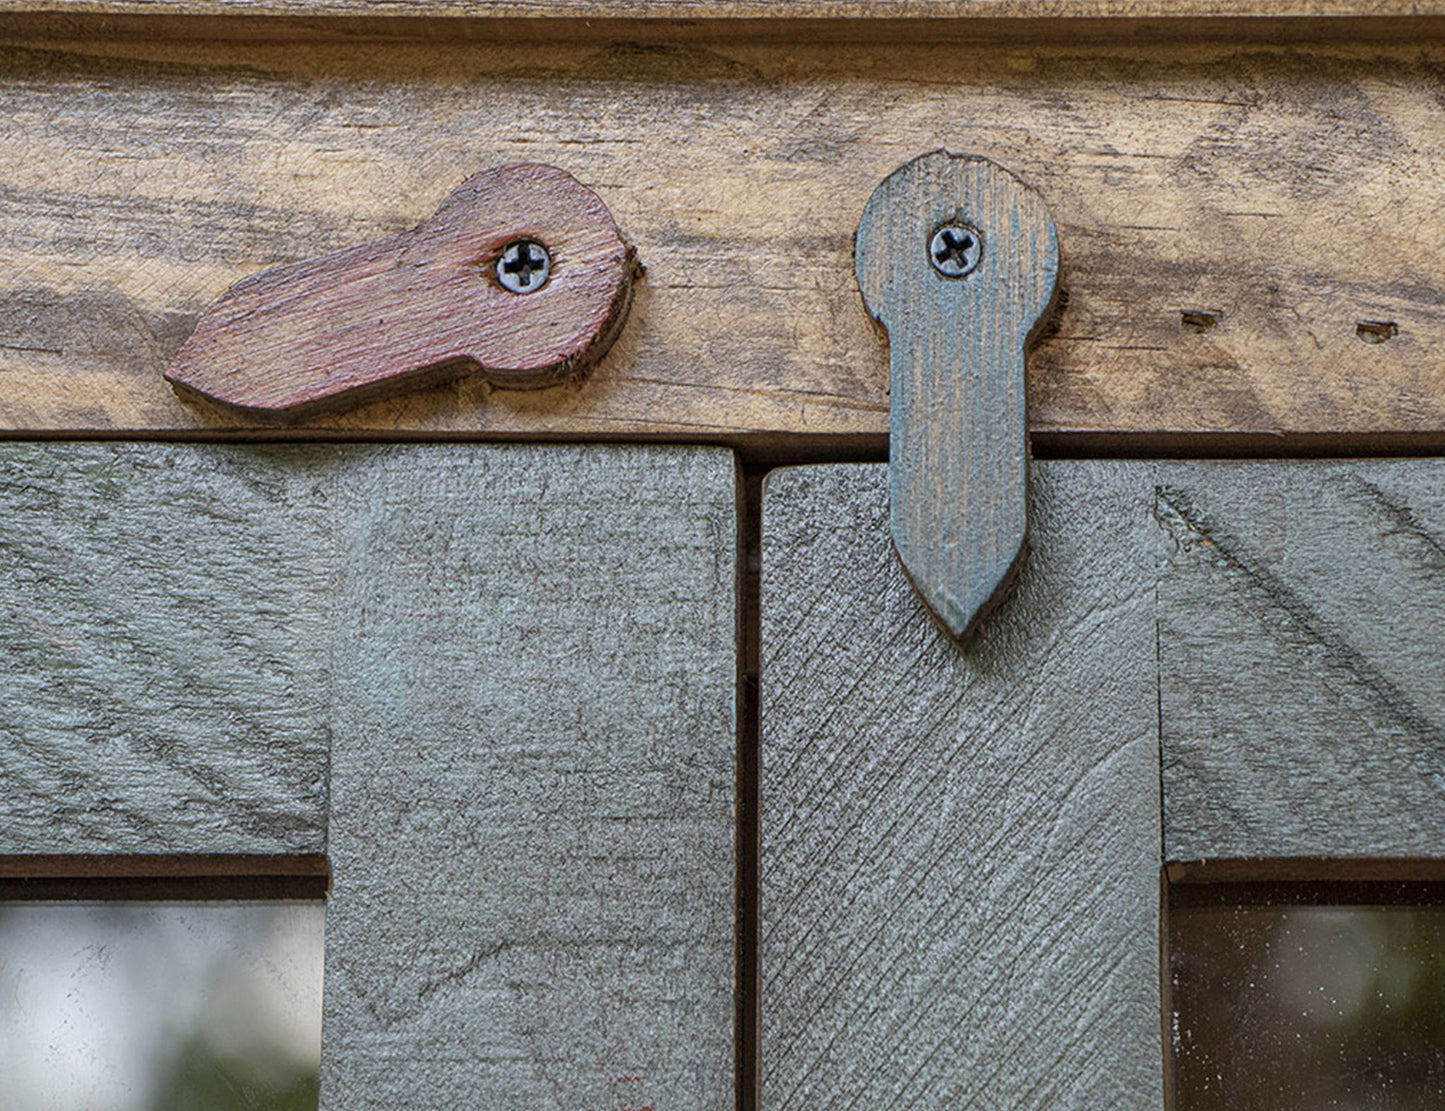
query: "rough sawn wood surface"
1228, 214
166, 619
520, 665
958, 442
1302, 651
422, 307
532, 785
961, 848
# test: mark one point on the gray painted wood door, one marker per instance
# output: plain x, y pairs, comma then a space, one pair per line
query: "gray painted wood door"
494, 684
961, 848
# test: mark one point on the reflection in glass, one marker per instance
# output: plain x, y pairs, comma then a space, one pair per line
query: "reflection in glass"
117, 1006
1303, 1008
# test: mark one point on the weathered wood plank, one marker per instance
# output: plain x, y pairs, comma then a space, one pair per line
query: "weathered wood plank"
520, 661
872, 10
1388, 21
164, 648
1228, 214
960, 848
1301, 610
532, 782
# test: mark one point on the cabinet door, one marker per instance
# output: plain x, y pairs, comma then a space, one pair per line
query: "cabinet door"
514, 667
961, 847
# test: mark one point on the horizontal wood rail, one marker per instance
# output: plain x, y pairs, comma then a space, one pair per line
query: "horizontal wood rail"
35, 866
858, 12
1315, 872
164, 876
1251, 254
656, 23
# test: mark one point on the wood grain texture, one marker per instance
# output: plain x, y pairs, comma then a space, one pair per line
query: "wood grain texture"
990, 28
424, 306
748, 9
1279, 197
532, 783
958, 445
520, 663
960, 848
1301, 611
164, 648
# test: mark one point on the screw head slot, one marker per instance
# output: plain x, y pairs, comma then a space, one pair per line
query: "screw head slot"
955, 250
524, 266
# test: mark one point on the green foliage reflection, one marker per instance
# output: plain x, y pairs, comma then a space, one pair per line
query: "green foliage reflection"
132, 1006
200, 1078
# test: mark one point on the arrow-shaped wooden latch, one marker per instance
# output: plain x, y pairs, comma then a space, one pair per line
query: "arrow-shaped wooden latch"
521, 276
958, 260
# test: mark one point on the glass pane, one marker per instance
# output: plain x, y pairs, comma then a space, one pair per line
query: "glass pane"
1302, 1008
119, 1006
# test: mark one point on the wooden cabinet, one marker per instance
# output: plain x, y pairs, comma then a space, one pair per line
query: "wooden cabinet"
645, 783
